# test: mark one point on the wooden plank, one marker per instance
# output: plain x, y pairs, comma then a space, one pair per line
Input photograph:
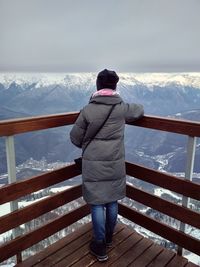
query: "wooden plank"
176, 211
173, 183
23, 242
128, 240
77, 254
23, 187
179, 238
177, 261
89, 259
75, 251
128, 250
23, 125
191, 128
38, 208
52, 249
70, 253
147, 256
81, 254
163, 258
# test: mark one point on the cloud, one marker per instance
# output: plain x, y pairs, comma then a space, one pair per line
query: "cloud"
130, 35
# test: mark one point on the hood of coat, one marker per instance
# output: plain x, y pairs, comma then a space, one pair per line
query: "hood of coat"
106, 96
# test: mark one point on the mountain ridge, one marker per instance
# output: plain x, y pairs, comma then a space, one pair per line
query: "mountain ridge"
149, 79
28, 99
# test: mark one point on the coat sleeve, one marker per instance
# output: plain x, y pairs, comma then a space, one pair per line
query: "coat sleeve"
79, 129
133, 112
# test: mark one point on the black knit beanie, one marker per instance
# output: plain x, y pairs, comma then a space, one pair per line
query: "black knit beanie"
107, 79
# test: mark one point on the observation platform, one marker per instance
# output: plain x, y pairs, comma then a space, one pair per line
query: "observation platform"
129, 248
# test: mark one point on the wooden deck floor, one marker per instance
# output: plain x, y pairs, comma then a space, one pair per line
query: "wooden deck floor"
129, 249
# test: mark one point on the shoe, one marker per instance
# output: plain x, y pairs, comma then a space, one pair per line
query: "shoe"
98, 249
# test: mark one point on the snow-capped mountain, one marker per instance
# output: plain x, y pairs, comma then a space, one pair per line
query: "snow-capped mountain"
176, 94
45, 79
149, 79
163, 79
37, 94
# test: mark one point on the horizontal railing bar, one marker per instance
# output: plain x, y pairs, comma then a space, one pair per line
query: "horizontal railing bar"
180, 126
171, 209
17, 126
38, 208
27, 186
23, 125
173, 183
23, 242
159, 228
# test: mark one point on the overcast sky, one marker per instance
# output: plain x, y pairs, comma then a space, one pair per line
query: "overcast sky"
89, 35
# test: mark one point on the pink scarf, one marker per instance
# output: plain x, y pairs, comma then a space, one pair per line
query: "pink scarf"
105, 92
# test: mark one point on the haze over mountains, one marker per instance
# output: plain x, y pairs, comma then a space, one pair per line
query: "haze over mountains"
176, 95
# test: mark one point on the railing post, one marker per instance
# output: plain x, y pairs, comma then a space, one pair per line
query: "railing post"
191, 145
11, 167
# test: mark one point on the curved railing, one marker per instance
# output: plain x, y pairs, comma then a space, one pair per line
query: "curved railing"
17, 189
17, 126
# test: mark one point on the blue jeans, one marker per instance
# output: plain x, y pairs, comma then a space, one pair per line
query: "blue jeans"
104, 218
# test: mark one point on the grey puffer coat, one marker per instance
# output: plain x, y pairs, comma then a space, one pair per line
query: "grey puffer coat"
103, 165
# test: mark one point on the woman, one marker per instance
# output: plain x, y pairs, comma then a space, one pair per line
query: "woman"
99, 131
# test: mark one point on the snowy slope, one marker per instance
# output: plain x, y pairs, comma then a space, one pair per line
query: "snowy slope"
147, 79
